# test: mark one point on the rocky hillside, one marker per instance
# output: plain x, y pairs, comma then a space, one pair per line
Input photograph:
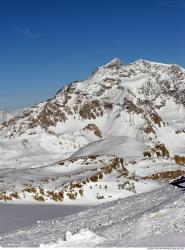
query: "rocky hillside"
134, 112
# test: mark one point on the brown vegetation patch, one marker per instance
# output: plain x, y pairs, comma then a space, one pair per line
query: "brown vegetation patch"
100, 92
38, 197
131, 107
94, 129
92, 157
180, 131
108, 79
100, 197
159, 150
30, 189
127, 186
76, 185
61, 162
72, 196
100, 175
56, 196
50, 115
81, 192
5, 197
41, 190
147, 154
179, 159
149, 129
107, 105
166, 175
15, 195
45, 180
116, 164
107, 169
94, 178
155, 118
91, 110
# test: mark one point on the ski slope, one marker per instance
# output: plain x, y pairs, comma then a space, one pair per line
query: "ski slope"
124, 223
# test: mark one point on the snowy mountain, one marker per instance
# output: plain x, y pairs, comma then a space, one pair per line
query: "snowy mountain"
118, 133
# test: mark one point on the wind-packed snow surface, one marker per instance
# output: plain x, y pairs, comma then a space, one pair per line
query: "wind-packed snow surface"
155, 218
115, 135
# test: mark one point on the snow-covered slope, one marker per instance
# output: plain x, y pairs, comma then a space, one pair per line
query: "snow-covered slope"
85, 180
152, 219
134, 113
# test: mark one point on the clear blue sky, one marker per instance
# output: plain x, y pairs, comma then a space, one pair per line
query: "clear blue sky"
45, 44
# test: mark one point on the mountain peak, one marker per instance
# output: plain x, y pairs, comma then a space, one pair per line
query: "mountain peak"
116, 62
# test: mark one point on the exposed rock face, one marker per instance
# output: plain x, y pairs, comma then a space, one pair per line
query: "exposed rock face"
94, 129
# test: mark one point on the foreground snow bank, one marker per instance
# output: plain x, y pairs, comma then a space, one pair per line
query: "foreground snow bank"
83, 238
133, 221
163, 228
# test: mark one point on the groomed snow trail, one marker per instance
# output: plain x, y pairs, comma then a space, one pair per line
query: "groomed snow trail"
111, 224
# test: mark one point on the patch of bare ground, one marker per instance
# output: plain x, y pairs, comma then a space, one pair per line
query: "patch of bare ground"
131, 107
50, 115
100, 91
148, 129
38, 197
56, 196
129, 186
99, 197
4, 196
155, 118
81, 159
94, 129
158, 150
165, 175
8, 197
94, 109
179, 159
180, 131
